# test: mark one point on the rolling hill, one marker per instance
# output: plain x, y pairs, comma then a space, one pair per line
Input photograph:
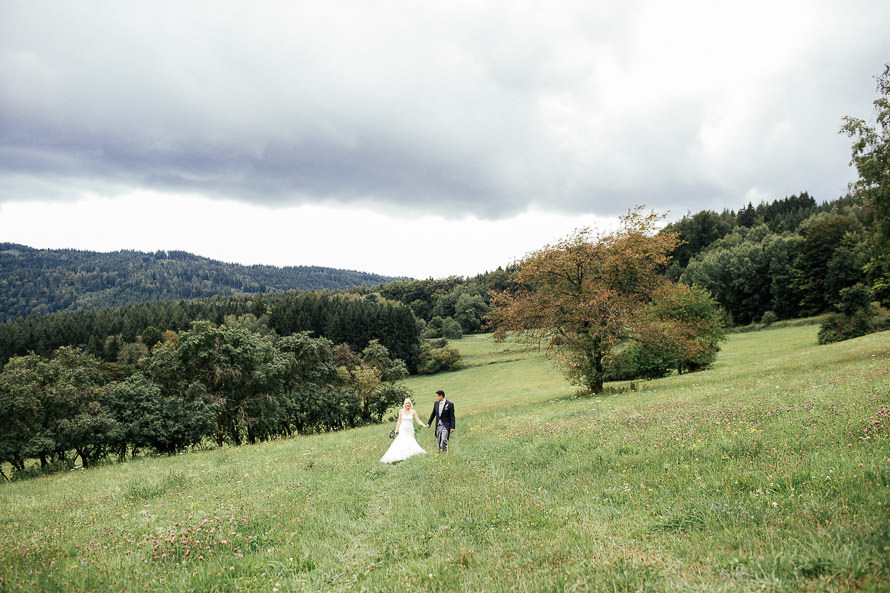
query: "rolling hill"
36, 281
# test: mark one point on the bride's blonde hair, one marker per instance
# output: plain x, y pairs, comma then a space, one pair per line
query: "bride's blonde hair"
407, 401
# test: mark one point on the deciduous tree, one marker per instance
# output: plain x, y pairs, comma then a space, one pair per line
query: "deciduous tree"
871, 156
586, 294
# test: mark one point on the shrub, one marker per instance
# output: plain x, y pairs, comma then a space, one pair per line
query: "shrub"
639, 362
433, 360
841, 326
769, 318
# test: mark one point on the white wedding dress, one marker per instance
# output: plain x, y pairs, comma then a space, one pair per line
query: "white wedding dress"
404, 445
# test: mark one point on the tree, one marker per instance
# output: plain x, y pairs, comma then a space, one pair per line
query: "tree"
871, 156
151, 336
683, 330
434, 359
241, 371
585, 295
469, 311
374, 378
695, 232
736, 276
451, 329
81, 418
310, 384
814, 265
691, 322
24, 408
148, 416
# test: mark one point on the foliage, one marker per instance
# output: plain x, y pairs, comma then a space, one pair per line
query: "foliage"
451, 329
754, 270
434, 359
695, 233
51, 407
40, 281
635, 360
587, 295
871, 156
827, 261
845, 326
147, 418
374, 377
28, 430
339, 317
218, 382
855, 317
683, 330
466, 300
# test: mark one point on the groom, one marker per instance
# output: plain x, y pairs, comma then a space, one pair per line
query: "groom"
443, 412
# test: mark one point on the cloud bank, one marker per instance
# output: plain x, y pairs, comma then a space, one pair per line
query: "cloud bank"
451, 109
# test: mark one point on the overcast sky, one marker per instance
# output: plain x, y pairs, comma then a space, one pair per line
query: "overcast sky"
415, 138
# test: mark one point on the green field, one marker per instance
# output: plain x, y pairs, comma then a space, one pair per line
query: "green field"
768, 472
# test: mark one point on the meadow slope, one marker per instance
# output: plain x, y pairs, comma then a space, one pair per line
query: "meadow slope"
769, 471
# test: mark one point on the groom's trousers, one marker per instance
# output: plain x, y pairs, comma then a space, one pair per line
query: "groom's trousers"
442, 436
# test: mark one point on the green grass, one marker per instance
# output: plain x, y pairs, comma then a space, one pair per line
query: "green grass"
769, 472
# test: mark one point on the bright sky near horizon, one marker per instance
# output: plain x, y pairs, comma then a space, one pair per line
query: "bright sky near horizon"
415, 139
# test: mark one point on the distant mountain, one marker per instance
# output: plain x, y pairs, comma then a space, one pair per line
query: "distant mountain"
49, 280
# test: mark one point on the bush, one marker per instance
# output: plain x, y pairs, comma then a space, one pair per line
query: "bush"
639, 362
433, 360
769, 318
841, 326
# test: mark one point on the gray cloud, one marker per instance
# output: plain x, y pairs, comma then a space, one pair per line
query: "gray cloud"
454, 110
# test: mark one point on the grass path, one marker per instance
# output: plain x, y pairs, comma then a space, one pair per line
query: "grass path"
770, 471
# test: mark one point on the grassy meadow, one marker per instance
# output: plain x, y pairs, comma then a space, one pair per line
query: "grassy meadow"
768, 472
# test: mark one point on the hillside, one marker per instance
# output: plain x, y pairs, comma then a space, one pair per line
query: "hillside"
50, 280
767, 472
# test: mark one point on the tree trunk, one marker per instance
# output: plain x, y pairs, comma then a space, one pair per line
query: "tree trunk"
595, 381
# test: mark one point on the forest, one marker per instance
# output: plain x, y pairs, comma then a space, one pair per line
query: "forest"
789, 258
36, 281
342, 318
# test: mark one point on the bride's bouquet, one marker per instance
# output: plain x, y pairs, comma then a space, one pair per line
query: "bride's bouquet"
392, 434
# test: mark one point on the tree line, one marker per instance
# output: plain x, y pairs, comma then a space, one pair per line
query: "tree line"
788, 259
785, 259
38, 281
342, 318
208, 384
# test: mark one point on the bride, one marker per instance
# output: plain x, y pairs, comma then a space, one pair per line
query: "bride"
404, 445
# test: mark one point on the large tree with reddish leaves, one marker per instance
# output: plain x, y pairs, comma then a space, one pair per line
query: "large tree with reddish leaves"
586, 294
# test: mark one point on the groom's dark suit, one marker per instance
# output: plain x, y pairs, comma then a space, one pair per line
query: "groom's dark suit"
445, 422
